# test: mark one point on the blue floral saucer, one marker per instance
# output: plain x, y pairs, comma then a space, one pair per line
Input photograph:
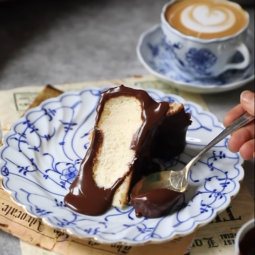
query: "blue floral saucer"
41, 156
157, 57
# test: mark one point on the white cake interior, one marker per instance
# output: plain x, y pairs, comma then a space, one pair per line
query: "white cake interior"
119, 121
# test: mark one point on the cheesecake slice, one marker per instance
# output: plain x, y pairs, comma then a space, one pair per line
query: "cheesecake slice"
122, 147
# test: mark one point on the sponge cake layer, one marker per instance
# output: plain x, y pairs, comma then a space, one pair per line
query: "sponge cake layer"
119, 121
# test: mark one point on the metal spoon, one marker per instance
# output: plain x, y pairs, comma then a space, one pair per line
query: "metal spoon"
178, 180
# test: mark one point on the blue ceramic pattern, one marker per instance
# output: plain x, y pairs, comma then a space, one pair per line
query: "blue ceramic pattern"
44, 149
161, 57
198, 61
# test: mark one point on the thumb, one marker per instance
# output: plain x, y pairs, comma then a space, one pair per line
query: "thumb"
247, 101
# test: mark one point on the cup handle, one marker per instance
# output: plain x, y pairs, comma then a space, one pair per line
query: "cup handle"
246, 54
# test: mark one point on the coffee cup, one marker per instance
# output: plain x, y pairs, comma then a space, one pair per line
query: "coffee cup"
244, 241
203, 36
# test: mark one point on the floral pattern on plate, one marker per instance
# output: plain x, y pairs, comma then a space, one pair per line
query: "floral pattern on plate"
42, 153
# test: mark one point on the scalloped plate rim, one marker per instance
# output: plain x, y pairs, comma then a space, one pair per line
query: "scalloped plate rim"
196, 225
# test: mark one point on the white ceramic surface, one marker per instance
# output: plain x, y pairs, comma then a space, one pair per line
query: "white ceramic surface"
156, 56
202, 58
42, 153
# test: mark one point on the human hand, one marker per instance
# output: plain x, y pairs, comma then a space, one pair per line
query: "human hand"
242, 140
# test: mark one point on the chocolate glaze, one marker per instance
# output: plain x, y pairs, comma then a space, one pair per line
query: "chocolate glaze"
85, 196
154, 203
170, 137
246, 245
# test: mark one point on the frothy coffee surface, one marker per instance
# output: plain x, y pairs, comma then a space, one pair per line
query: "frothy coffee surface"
206, 19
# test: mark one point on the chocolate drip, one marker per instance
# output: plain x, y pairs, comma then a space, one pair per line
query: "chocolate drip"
85, 196
154, 203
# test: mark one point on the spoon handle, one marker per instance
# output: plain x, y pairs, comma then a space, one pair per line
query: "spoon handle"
240, 122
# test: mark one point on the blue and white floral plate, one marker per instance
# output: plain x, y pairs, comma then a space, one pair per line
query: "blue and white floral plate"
42, 153
156, 56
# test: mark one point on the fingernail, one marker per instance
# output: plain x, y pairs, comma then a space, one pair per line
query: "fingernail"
247, 97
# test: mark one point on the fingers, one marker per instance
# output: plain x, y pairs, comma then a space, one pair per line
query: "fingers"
247, 101
247, 150
240, 137
247, 104
243, 139
233, 114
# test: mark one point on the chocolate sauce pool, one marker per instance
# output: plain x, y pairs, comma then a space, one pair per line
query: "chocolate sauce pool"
154, 203
85, 196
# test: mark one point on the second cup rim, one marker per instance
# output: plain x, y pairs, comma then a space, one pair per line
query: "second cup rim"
196, 39
240, 231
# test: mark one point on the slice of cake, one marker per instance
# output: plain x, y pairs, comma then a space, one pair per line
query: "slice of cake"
122, 146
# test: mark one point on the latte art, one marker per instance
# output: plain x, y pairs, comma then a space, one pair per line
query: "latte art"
201, 19
206, 19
